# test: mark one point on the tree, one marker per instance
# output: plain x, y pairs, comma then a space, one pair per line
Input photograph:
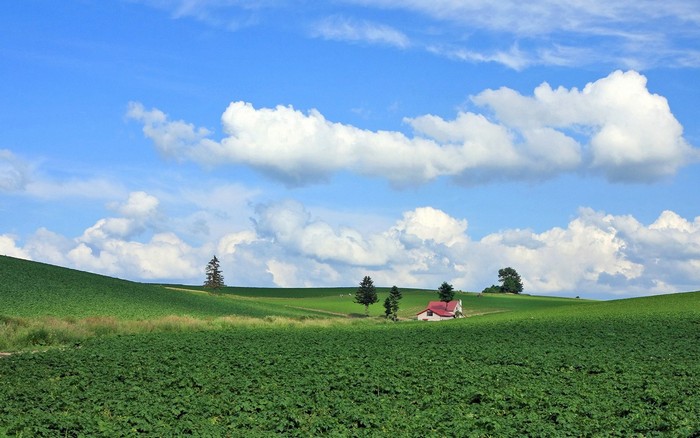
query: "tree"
391, 303
215, 279
446, 292
510, 280
388, 304
366, 294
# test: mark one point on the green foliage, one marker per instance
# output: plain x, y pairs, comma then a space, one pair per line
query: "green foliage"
31, 289
624, 368
387, 307
510, 280
215, 279
446, 292
493, 289
366, 294
391, 303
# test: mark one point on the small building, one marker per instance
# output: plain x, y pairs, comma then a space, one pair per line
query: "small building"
440, 310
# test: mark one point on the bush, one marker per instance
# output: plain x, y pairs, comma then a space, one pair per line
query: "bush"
493, 289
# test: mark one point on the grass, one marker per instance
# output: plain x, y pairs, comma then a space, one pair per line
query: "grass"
31, 289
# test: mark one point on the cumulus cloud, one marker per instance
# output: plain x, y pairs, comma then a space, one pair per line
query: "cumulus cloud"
289, 224
8, 247
429, 224
139, 205
228, 243
164, 256
613, 126
633, 134
127, 246
595, 254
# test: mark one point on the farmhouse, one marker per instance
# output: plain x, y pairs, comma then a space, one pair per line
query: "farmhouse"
440, 310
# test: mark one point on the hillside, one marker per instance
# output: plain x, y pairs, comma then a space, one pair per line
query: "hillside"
31, 289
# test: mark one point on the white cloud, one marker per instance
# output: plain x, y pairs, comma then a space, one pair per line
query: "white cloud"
614, 126
621, 33
228, 243
283, 274
19, 176
345, 29
430, 224
8, 247
595, 254
14, 173
164, 256
139, 205
633, 134
512, 57
517, 34
289, 225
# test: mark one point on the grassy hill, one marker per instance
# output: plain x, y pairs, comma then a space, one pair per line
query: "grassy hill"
32, 289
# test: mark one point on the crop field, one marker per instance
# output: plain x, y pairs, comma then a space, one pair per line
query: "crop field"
303, 364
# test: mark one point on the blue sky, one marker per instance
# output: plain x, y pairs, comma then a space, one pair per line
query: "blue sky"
310, 144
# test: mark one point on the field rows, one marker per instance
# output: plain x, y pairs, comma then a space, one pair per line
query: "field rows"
562, 373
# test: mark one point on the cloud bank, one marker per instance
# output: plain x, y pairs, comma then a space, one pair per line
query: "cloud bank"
595, 254
614, 127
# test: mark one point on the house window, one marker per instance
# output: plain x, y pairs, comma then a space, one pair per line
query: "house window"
430, 313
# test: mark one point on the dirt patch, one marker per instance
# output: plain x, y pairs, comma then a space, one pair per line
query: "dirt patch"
4, 354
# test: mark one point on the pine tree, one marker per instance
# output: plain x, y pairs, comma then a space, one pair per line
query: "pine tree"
388, 306
366, 294
394, 298
215, 279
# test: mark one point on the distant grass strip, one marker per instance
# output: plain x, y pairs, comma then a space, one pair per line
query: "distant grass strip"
24, 334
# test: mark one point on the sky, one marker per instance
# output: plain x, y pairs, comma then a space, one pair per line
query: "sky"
308, 144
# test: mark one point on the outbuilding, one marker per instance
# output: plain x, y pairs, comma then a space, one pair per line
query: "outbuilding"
440, 310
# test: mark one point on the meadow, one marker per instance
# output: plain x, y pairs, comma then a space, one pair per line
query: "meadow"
520, 366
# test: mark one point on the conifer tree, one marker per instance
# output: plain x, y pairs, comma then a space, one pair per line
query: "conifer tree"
215, 279
393, 298
366, 294
388, 305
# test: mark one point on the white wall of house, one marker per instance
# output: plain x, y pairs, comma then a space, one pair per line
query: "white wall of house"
423, 316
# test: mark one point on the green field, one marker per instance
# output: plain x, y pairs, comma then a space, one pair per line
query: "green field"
521, 366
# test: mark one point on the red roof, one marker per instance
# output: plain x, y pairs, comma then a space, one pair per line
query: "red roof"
441, 308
